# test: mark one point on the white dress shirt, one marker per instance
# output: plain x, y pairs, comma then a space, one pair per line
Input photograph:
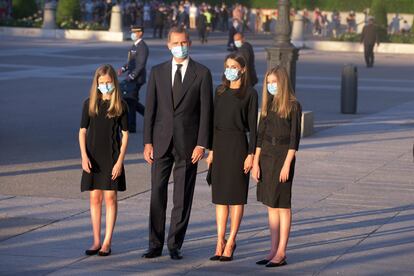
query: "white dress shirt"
183, 69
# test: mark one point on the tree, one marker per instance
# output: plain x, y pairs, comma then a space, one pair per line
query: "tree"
23, 8
68, 10
379, 11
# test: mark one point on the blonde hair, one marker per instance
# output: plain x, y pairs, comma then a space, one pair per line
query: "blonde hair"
283, 102
115, 107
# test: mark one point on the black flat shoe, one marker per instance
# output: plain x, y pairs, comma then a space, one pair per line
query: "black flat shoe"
215, 258
175, 254
281, 263
104, 254
262, 262
91, 252
152, 253
228, 259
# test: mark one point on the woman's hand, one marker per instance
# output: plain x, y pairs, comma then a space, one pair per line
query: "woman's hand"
86, 164
248, 163
284, 173
209, 159
116, 170
256, 172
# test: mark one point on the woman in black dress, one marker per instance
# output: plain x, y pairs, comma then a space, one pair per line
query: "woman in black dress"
104, 117
235, 118
274, 162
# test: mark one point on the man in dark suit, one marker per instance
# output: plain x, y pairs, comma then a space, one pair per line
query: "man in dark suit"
137, 75
177, 129
369, 37
159, 21
246, 50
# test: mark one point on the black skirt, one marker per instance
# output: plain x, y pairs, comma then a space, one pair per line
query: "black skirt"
230, 184
270, 191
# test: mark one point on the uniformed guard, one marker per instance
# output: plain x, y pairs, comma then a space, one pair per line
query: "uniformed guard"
136, 69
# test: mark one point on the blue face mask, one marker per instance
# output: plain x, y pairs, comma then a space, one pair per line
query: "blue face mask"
272, 88
179, 51
232, 74
106, 88
133, 36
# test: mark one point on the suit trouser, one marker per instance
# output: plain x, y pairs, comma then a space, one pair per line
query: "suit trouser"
369, 54
184, 176
134, 106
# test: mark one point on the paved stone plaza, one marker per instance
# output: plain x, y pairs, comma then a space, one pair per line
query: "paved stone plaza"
353, 200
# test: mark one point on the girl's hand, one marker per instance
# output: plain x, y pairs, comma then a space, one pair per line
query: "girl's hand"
248, 163
284, 173
256, 172
209, 159
86, 165
116, 170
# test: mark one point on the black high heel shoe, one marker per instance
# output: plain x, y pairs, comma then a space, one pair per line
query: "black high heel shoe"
217, 257
91, 252
262, 262
281, 263
228, 259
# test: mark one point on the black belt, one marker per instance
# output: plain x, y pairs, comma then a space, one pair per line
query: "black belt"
277, 140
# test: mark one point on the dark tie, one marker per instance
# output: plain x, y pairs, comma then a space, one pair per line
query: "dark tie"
178, 85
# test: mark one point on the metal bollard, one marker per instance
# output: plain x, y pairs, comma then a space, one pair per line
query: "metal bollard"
349, 89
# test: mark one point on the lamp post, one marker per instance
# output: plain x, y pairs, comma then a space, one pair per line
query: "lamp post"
283, 52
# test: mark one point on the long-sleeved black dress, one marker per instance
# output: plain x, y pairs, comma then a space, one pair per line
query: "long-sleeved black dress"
235, 116
276, 135
103, 143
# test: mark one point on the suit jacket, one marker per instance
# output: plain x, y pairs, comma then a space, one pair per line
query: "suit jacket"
247, 51
369, 34
137, 61
187, 122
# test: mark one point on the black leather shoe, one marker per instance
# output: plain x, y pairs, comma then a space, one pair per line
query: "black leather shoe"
228, 259
104, 254
281, 263
175, 254
262, 262
152, 253
91, 252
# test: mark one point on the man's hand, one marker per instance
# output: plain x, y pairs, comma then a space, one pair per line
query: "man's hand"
209, 159
149, 153
198, 154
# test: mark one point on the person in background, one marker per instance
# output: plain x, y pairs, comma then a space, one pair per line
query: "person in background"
369, 37
137, 75
104, 120
246, 49
274, 161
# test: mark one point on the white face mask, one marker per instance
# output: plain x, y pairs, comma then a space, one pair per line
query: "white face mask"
238, 43
272, 88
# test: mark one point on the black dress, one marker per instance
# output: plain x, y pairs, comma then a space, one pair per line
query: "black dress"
276, 135
103, 143
235, 116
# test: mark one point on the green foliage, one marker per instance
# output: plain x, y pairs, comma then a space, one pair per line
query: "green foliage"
68, 10
23, 8
402, 38
348, 37
379, 11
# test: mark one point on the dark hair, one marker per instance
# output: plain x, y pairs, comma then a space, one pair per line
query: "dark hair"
179, 30
245, 79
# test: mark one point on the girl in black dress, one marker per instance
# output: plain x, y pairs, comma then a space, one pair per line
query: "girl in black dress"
235, 118
104, 117
274, 162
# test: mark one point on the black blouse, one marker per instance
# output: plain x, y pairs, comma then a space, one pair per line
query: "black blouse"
283, 128
235, 113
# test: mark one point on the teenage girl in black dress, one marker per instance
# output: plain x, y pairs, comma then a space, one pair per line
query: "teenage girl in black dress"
274, 162
104, 118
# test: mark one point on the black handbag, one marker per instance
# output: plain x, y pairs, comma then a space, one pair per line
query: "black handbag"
208, 177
